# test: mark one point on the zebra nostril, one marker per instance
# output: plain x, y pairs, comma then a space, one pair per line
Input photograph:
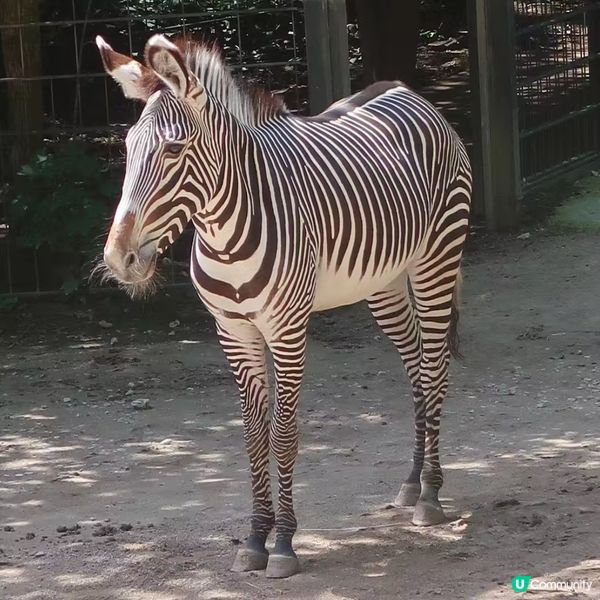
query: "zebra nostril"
129, 259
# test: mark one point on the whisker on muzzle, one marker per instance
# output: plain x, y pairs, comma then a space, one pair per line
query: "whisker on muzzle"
144, 288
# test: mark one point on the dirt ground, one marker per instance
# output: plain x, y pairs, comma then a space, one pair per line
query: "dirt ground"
99, 501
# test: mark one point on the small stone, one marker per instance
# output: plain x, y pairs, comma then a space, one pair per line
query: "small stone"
507, 502
174, 324
9, 528
75, 527
66, 399
126, 527
39, 554
113, 341
29, 536
524, 236
105, 324
104, 530
141, 404
61, 529
131, 384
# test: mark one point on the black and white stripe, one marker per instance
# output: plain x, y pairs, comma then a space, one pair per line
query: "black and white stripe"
369, 200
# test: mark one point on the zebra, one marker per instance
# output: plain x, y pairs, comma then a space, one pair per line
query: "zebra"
292, 215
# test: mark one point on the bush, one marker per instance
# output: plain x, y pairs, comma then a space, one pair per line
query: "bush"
60, 204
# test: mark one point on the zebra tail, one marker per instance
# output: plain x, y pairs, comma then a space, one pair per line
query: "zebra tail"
453, 337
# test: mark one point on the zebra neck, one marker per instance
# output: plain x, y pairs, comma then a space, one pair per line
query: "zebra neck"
231, 225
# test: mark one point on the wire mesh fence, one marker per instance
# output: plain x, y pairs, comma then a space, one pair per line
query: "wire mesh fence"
558, 85
263, 41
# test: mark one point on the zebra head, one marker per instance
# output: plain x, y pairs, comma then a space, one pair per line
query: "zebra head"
172, 161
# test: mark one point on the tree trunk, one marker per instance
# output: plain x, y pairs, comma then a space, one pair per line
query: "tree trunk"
22, 59
389, 35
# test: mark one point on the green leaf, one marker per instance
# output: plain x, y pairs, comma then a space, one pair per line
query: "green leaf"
8, 302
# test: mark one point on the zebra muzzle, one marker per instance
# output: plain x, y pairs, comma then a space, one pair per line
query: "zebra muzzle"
128, 262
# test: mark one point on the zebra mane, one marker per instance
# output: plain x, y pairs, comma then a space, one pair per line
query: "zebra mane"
250, 104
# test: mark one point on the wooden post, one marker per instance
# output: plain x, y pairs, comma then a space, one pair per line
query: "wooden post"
389, 38
327, 52
592, 20
497, 144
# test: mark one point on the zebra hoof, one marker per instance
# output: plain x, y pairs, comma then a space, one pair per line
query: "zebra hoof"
248, 559
428, 513
408, 495
281, 566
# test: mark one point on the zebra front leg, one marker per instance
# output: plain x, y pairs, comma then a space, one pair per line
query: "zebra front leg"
288, 361
245, 351
395, 314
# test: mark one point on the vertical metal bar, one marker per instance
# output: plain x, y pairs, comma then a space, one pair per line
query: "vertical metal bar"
499, 134
36, 270
327, 52
295, 54
239, 35
21, 48
9, 267
77, 103
52, 106
106, 102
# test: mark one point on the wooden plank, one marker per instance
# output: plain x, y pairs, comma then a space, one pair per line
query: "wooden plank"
327, 52
338, 44
478, 204
497, 142
317, 53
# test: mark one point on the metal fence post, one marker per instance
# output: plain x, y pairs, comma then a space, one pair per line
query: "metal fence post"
327, 52
497, 142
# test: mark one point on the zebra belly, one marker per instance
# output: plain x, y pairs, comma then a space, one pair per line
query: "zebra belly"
338, 288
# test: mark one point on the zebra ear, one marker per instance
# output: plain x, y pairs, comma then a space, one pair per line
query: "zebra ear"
130, 74
166, 60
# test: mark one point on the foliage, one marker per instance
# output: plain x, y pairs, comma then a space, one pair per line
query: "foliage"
60, 204
8, 302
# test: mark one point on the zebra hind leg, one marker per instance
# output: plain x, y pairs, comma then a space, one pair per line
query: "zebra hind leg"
394, 312
433, 283
245, 351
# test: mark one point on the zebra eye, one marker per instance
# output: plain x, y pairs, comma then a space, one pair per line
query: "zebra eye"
174, 148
